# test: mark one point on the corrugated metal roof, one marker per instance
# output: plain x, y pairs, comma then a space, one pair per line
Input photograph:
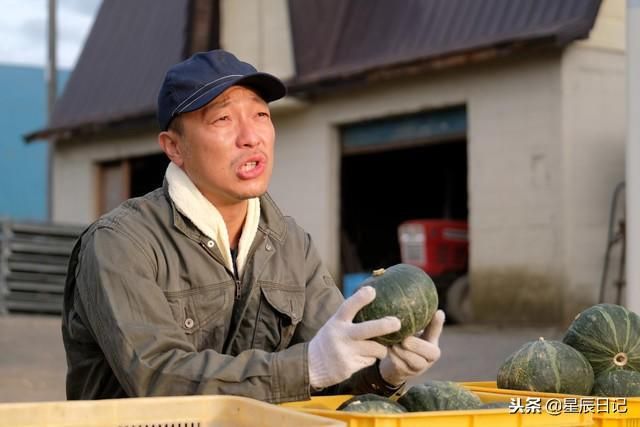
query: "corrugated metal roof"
336, 38
120, 70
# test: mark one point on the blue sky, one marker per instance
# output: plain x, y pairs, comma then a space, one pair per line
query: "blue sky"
23, 30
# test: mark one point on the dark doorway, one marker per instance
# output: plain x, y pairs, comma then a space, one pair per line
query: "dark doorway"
120, 180
147, 173
384, 188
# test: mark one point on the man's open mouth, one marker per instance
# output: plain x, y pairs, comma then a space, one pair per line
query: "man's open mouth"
249, 166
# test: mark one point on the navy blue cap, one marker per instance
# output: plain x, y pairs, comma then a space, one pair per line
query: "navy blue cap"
193, 83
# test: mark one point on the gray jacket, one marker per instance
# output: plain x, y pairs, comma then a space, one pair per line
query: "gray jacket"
151, 309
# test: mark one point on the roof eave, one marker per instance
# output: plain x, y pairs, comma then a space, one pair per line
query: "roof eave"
329, 82
414, 67
127, 122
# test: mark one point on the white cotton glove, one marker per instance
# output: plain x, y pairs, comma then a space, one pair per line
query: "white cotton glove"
341, 348
413, 356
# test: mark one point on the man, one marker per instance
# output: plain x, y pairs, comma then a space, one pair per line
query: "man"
203, 286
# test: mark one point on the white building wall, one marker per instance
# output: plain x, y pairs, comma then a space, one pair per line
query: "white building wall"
594, 126
257, 31
609, 29
515, 188
75, 172
514, 144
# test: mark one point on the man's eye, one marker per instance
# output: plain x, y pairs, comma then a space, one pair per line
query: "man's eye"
263, 114
221, 119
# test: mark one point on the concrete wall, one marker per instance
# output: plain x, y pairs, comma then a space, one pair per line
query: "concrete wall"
515, 187
75, 173
514, 145
257, 31
609, 29
546, 147
594, 129
594, 134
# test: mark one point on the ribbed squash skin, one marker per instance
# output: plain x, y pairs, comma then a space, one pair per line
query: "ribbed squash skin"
617, 383
371, 403
546, 366
404, 291
439, 396
608, 335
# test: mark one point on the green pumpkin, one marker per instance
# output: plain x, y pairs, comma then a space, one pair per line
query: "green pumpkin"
609, 337
403, 291
617, 383
546, 366
371, 403
439, 396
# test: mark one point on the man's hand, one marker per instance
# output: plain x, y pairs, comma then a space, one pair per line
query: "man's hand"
341, 347
413, 356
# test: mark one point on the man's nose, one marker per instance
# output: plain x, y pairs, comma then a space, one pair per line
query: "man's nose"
247, 135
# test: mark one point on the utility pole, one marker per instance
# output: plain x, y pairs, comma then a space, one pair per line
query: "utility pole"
52, 91
52, 77
633, 156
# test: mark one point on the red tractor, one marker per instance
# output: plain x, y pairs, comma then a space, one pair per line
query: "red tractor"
441, 248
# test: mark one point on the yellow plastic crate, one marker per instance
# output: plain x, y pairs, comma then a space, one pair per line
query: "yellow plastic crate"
499, 417
187, 411
631, 418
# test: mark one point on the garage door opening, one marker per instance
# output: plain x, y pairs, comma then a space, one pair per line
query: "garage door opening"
381, 190
408, 168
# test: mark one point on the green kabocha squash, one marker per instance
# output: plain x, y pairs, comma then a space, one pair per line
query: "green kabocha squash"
439, 396
546, 366
609, 337
404, 291
617, 383
371, 403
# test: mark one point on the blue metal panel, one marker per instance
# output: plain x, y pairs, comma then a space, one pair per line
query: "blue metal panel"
425, 126
23, 167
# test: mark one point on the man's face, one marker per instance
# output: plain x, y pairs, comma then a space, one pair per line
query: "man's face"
226, 147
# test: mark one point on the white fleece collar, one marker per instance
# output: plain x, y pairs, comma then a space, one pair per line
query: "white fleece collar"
204, 215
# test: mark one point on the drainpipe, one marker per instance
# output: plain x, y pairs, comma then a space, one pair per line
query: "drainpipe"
633, 156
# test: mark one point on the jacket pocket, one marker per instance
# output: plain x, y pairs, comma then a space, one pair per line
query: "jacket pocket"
281, 309
201, 313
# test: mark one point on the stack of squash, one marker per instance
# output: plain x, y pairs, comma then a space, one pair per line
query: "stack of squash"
599, 355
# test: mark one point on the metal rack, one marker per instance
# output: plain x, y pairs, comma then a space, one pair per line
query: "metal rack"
33, 265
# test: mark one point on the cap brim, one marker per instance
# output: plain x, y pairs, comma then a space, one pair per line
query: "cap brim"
267, 86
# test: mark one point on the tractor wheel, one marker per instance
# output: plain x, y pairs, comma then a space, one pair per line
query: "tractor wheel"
459, 300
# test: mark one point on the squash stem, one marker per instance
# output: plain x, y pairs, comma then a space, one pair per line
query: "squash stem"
620, 359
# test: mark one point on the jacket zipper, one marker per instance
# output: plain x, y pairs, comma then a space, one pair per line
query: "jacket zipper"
238, 285
231, 273
234, 273
252, 250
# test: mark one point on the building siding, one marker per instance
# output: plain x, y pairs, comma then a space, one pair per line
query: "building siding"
23, 167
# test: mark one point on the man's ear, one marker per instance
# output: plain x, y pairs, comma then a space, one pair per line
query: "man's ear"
171, 144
